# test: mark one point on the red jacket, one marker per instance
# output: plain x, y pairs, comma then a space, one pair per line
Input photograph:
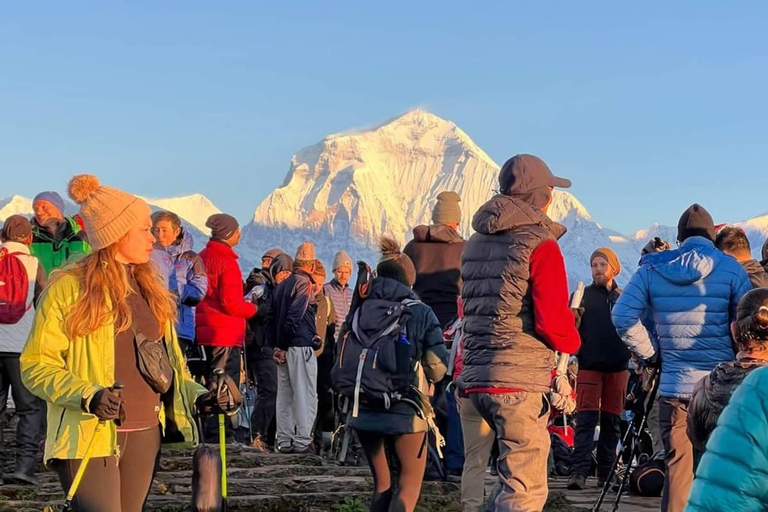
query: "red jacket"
220, 316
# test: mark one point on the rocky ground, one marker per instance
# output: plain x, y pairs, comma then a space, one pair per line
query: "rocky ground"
262, 482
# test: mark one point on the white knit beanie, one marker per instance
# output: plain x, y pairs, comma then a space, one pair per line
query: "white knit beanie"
108, 213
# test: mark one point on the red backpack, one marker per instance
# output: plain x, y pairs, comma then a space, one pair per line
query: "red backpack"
14, 288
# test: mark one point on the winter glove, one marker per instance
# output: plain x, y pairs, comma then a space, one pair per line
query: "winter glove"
562, 395
107, 405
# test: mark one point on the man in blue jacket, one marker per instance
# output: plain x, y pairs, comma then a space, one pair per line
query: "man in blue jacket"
688, 297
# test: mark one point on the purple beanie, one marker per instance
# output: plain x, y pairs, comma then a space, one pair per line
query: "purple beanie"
52, 197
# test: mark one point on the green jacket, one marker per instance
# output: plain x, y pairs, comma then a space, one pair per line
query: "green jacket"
54, 251
67, 373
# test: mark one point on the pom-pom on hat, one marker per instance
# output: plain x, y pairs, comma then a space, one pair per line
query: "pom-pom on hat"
108, 213
395, 264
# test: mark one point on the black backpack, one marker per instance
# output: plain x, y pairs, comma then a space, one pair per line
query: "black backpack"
648, 478
373, 363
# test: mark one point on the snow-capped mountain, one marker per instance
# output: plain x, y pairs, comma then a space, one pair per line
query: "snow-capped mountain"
350, 188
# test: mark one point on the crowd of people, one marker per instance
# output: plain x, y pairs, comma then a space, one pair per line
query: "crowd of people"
112, 328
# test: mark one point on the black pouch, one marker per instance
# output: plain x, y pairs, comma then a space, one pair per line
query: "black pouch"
153, 362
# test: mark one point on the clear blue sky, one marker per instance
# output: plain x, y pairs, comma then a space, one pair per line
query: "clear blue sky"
647, 106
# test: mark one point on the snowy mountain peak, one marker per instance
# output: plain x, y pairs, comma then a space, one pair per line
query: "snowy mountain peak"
15, 205
384, 180
565, 204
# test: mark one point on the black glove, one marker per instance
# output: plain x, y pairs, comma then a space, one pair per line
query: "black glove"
653, 362
107, 405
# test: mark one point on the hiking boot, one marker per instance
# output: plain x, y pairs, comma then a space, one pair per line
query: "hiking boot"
303, 451
24, 474
577, 482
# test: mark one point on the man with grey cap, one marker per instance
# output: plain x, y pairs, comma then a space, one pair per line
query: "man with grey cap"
516, 315
16, 238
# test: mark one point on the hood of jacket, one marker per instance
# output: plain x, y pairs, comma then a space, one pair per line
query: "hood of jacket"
726, 377
752, 267
373, 316
438, 233
505, 213
693, 261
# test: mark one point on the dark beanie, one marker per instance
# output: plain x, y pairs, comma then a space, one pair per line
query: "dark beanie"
394, 264
16, 228
272, 253
280, 263
695, 221
222, 226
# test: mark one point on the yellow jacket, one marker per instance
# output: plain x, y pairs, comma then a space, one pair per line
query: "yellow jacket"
67, 373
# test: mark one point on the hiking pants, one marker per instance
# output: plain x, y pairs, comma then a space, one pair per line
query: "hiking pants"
600, 400
264, 371
478, 442
29, 409
454, 443
296, 398
673, 417
520, 422
112, 484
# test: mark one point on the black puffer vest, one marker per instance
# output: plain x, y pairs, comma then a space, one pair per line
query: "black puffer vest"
501, 346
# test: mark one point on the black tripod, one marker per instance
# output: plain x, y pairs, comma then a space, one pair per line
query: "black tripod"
631, 445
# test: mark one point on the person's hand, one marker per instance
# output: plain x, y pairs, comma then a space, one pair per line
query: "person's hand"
106, 404
562, 395
279, 356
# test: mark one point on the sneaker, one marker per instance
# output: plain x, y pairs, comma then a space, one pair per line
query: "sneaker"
577, 482
284, 449
453, 475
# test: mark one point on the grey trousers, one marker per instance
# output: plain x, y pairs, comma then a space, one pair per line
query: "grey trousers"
520, 422
296, 398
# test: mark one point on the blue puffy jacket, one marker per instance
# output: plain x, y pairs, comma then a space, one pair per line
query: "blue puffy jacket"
733, 473
186, 278
687, 299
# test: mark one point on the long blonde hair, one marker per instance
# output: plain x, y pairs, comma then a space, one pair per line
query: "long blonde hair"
102, 277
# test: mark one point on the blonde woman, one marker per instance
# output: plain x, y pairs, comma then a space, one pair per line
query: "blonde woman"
93, 318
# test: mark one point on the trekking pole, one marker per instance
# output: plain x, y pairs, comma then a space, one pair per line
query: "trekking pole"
223, 452
635, 443
624, 441
248, 410
86, 458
